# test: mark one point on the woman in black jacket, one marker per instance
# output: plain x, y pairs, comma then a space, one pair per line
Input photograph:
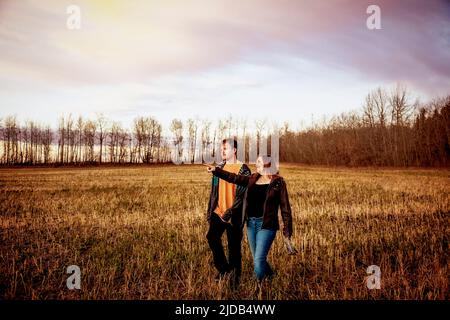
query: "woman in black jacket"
266, 193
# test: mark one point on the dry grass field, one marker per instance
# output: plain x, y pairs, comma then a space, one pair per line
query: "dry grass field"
139, 233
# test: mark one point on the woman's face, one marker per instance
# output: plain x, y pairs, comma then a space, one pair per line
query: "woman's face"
259, 165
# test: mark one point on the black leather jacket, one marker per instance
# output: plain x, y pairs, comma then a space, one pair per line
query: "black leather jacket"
276, 198
235, 213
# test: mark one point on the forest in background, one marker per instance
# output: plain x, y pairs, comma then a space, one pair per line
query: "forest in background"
391, 129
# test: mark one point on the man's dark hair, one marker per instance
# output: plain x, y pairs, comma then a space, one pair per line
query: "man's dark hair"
231, 142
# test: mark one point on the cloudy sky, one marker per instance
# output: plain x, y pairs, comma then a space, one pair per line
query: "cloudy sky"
278, 59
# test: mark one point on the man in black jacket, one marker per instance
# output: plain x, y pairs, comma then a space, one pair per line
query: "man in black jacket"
225, 214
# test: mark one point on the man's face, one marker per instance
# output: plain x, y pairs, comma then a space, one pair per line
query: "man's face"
227, 152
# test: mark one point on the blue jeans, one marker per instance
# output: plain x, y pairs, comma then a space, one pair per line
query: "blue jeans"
260, 241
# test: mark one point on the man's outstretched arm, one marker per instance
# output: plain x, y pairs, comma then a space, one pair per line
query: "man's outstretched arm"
239, 179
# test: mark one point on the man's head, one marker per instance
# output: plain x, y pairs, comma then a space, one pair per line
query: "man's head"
229, 149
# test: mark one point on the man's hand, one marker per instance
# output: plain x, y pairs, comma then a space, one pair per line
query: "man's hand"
209, 168
289, 247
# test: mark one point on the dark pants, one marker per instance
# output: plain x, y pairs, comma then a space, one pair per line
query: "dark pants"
234, 235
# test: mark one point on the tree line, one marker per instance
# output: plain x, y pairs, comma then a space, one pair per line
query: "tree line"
82, 141
389, 130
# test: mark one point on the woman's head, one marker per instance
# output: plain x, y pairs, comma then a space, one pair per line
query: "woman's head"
264, 166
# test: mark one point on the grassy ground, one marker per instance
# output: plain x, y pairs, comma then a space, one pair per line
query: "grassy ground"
139, 233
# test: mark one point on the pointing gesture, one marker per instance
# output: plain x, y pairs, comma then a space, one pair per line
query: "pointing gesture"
210, 168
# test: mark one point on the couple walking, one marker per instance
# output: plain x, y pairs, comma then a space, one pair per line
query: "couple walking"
237, 196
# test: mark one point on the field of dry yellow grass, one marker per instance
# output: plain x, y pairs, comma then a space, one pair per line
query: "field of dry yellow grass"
139, 233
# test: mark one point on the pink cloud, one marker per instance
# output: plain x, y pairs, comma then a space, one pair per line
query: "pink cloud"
148, 40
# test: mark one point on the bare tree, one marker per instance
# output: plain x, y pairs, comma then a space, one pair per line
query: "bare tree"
69, 139
259, 125
114, 134
176, 127
10, 140
123, 140
47, 143
101, 125
192, 136
61, 139
205, 137
80, 125
89, 139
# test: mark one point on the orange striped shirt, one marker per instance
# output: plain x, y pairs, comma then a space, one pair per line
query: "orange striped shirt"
227, 191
